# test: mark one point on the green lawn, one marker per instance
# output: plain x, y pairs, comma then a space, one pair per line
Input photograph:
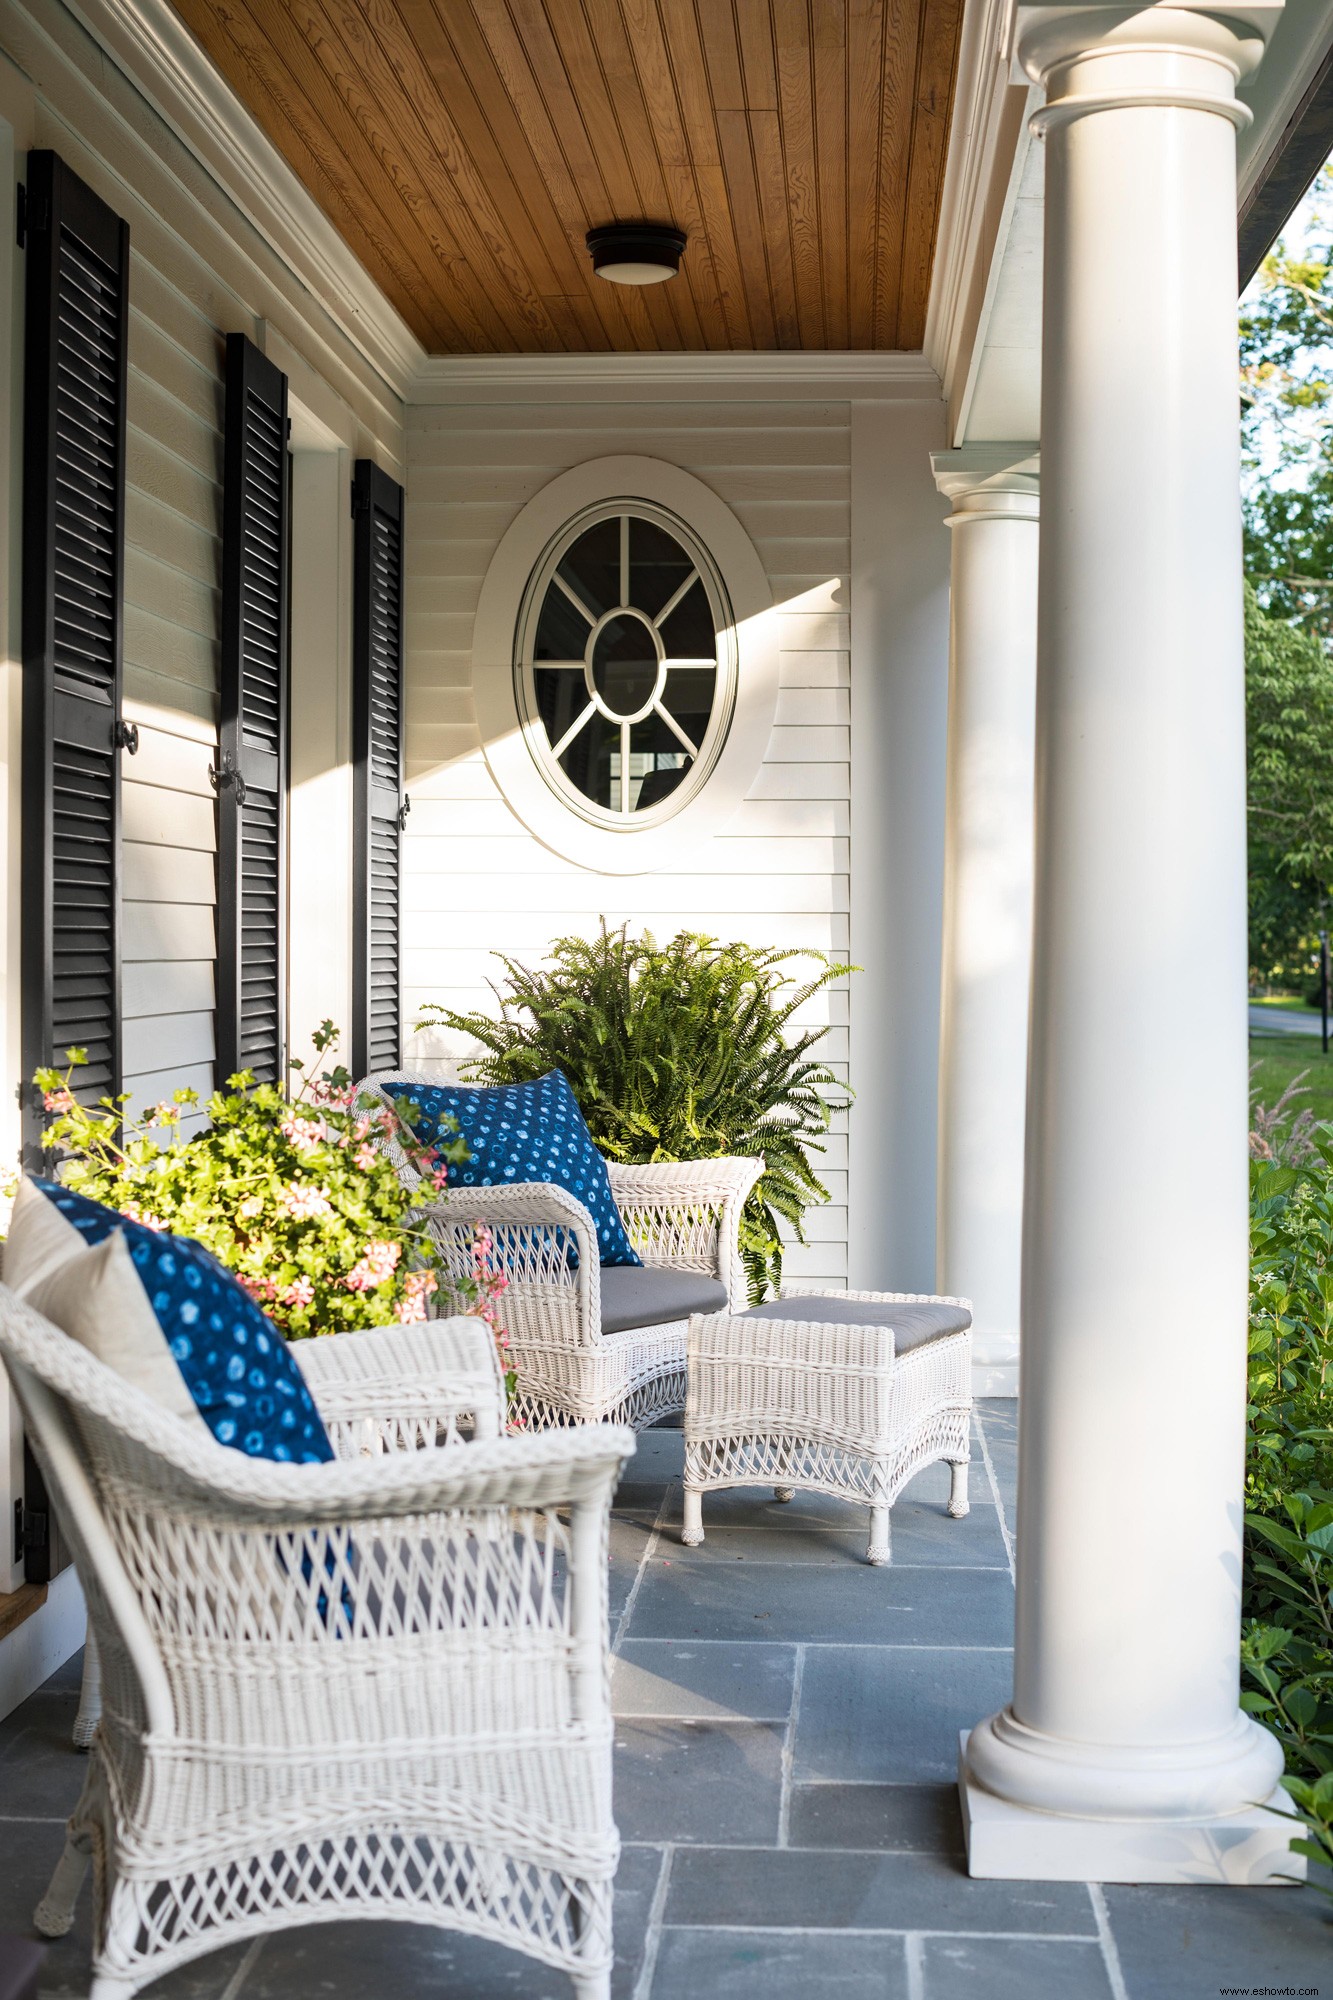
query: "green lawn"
1275, 1060
1287, 1002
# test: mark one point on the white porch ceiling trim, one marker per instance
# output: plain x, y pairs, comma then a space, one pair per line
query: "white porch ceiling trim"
786, 377
989, 115
148, 41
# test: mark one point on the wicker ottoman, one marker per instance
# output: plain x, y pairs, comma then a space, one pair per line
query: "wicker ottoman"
848, 1393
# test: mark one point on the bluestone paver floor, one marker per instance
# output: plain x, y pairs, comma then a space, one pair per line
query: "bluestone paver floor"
787, 1722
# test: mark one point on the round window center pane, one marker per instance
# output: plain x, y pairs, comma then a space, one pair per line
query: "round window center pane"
625, 665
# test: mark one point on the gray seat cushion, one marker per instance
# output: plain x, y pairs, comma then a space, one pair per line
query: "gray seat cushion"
643, 1295
912, 1324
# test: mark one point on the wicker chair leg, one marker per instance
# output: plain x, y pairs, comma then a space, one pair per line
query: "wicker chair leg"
879, 1549
958, 1500
784, 1493
592, 1985
104, 1987
54, 1915
90, 1695
692, 1530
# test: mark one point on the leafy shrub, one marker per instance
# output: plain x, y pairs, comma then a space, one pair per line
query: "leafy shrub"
291, 1194
675, 1052
1287, 1643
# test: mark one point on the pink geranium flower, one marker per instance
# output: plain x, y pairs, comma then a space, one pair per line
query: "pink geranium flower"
304, 1133
304, 1204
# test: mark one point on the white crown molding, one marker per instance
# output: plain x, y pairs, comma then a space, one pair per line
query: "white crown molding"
789, 376
148, 41
985, 135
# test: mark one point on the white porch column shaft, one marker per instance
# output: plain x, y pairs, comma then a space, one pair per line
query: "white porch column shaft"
1125, 1716
987, 893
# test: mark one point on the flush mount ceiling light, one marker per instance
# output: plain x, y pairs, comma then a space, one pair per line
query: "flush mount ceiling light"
636, 253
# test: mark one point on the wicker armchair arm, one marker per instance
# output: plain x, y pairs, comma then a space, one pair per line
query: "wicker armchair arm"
395, 1385
535, 1203
683, 1183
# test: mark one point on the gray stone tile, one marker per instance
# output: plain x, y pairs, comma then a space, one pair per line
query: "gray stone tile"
41, 1773
746, 1965
364, 1961
922, 1531
698, 1781
755, 1507
804, 1601
658, 1458
890, 1819
838, 1544
28, 1854
1183, 1944
713, 1683
754, 1528
893, 1714
802, 1889
1013, 1969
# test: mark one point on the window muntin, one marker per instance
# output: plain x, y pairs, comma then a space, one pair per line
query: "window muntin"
625, 664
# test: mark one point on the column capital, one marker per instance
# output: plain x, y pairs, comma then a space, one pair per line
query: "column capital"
985, 481
1089, 56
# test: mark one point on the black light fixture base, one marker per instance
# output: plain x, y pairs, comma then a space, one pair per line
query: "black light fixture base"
636, 253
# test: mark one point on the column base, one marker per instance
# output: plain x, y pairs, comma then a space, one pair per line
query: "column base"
1011, 1843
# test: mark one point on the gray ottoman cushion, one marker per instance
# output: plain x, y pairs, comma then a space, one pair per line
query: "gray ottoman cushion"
643, 1295
912, 1324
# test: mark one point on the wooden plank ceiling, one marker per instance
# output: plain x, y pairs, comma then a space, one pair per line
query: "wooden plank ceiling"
464, 147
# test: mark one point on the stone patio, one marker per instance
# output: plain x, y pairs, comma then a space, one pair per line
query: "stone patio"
788, 1726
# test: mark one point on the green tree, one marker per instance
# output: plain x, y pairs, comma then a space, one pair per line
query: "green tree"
1286, 351
1289, 725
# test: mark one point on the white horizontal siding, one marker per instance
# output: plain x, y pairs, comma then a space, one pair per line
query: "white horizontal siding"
475, 880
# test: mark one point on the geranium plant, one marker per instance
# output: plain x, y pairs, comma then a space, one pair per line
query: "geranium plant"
292, 1193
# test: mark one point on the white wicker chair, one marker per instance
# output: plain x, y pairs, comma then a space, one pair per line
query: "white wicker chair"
368, 1688
386, 1389
680, 1216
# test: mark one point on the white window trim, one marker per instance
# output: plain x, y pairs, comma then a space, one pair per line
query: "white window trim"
714, 736
631, 849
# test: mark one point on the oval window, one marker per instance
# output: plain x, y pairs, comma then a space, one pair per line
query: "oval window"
625, 664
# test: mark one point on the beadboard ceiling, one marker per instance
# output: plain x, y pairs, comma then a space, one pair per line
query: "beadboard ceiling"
464, 147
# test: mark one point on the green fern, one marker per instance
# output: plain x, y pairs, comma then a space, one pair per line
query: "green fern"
676, 1052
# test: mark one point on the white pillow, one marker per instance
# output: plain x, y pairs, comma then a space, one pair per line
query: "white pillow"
40, 1240
98, 1299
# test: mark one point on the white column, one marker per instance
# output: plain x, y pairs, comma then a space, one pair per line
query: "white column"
1125, 1755
987, 894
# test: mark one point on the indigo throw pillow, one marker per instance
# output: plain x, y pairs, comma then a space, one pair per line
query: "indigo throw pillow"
519, 1132
241, 1379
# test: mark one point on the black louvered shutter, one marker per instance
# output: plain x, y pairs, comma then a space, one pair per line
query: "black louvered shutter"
377, 752
77, 306
251, 775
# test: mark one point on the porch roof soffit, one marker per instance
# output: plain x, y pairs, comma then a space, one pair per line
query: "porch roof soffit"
457, 163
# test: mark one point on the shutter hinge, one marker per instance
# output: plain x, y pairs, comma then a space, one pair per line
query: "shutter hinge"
403, 810
21, 215
360, 500
225, 773
125, 735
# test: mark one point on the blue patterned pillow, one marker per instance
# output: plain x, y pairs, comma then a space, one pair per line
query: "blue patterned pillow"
519, 1132
232, 1359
